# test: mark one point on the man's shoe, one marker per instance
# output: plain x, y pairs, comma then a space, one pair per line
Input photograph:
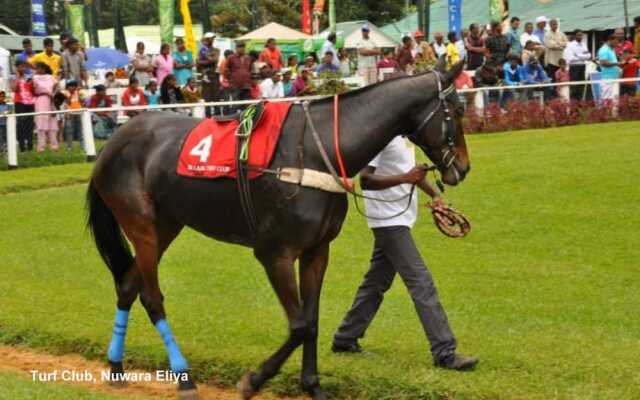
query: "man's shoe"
457, 362
346, 347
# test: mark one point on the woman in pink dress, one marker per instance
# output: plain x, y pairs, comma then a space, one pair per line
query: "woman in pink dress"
44, 86
163, 63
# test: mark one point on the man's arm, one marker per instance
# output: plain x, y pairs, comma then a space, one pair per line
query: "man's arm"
426, 187
370, 181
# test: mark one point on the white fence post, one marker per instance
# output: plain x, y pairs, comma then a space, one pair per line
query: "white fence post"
12, 142
87, 133
199, 111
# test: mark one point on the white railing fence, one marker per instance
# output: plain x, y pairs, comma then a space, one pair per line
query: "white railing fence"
198, 110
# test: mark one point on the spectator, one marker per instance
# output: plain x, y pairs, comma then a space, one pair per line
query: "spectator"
439, 47
512, 75
151, 93
170, 92
26, 54
630, 65
310, 62
555, 42
532, 73
562, 75
64, 38
110, 81
609, 66
453, 55
4, 109
540, 31
73, 62
327, 64
345, 62
133, 96
388, 62
368, 52
103, 121
623, 44
424, 51
142, 65
207, 59
272, 87
487, 76
292, 65
163, 63
191, 92
287, 82
44, 87
475, 48
577, 54
513, 37
528, 52
49, 57
73, 121
238, 73
23, 102
272, 55
404, 56
460, 44
303, 85
224, 82
497, 45
636, 40
330, 46
182, 62
528, 35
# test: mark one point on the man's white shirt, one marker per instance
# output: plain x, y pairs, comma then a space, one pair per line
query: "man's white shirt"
576, 53
271, 90
397, 158
525, 37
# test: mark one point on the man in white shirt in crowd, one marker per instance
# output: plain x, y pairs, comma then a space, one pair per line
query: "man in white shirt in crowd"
462, 49
438, 44
390, 176
272, 88
555, 42
577, 55
368, 54
330, 46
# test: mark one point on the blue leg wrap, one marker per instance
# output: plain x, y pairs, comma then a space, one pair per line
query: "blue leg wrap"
116, 348
176, 360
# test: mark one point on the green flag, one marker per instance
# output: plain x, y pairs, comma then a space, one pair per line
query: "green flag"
119, 40
76, 20
166, 10
496, 10
332, 16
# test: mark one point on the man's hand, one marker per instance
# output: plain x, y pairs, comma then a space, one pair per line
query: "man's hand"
437, 201
415, 175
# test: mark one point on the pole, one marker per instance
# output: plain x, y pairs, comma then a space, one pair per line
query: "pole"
332, 16
12, 142
206, 21
87, 133
421, 8
626, 19
427, 19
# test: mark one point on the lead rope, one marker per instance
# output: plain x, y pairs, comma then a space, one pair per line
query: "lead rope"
243, 135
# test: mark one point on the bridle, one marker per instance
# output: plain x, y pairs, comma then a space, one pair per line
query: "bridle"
448, 128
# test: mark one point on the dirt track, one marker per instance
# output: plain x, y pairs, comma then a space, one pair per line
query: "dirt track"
23, 361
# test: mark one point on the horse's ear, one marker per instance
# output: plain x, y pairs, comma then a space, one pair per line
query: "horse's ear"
455, 71
441, 65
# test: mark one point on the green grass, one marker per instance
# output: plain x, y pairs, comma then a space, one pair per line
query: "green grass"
49, 157
544, 290
26, 179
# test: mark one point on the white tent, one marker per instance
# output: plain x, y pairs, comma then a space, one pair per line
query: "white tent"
274, 30
5, 71
351, 33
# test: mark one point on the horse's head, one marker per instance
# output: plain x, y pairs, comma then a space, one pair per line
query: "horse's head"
439, 126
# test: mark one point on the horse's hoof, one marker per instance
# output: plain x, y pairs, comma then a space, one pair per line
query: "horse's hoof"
116, 375
245, 388
187, 389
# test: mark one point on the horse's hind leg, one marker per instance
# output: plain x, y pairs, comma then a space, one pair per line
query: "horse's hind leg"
279, 268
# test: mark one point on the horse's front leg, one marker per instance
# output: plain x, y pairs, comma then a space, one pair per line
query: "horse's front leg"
313, 265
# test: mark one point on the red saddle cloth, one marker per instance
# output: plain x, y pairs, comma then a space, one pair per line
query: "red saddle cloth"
209, 150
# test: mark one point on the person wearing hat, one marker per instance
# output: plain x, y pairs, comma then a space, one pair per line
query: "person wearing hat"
532, 73
540, 31
205, 54
368, 53
424, 49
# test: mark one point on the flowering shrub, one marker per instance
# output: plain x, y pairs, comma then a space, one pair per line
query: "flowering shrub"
532, 115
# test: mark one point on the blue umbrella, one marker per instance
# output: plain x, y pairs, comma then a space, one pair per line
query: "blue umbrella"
105, 58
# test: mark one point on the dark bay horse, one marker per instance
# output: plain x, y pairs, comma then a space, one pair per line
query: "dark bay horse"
135, 194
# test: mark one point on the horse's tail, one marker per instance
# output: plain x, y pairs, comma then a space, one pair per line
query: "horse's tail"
110, 241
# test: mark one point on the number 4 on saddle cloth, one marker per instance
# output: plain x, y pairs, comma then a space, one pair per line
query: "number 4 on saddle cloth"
209, 150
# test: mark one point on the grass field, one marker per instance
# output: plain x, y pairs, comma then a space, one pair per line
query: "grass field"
545, 290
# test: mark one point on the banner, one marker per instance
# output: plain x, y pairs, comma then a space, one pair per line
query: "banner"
455, 17
189, 38
166, 11
38, 21
306, 17
496, 10
76, 20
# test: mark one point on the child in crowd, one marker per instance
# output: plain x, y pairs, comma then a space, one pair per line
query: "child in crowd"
44, 87
110, 81
387, 62
152, 93
630, 66
562, 75
73, 122
4, 109
191, 92
133, 96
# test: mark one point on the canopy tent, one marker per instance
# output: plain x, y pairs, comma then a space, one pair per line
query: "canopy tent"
350, 32
4, 69
593, 15
475, 11
275, 30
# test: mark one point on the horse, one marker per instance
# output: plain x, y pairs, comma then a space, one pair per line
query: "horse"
135, 194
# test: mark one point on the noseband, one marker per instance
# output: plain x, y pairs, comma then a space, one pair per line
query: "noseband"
448, 128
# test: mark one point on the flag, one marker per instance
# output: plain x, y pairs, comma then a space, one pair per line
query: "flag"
332, 16
306, 17
38, 21
76, 19
496, 10
166, 11
189, 39
455, 16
